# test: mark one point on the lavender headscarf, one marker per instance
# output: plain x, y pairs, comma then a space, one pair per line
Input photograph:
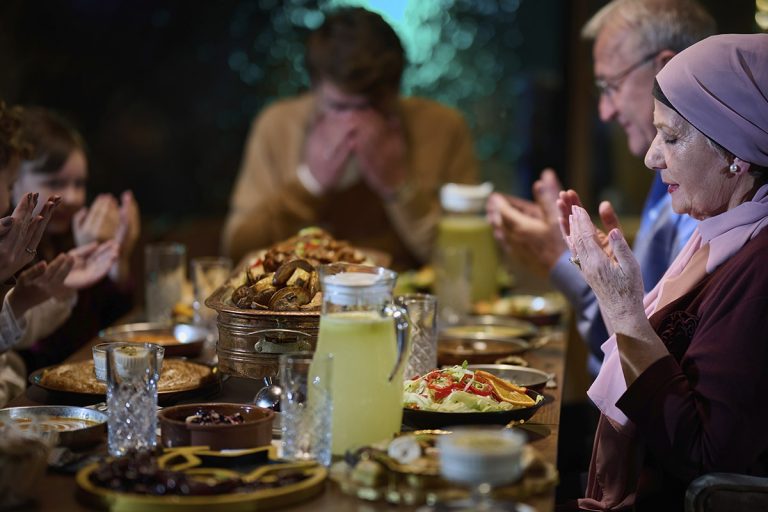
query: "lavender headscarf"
720, 86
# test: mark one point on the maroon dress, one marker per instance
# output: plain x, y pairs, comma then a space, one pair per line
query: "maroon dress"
704, 407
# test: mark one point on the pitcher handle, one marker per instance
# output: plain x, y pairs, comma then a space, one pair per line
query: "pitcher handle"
402, 324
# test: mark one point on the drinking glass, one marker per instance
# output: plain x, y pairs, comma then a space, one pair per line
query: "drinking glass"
99, 352
165, 273
453, 284
421, 309
207, 274
482, 458
306, 406
132, 375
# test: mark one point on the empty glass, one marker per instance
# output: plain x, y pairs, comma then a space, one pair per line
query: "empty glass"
132, 375
306, 406
421, 309
453, 284
207, 275
165, 267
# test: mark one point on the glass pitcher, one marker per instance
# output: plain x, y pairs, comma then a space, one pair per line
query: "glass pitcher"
368, 337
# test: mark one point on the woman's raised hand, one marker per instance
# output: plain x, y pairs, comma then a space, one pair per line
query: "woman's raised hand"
21, 233
96, 223
129, 225
127, 235
40, 282
613, 275
565, 203
90, 264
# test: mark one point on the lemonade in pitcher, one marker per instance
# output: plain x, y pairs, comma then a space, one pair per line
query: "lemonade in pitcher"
464, 225
367, 406
367, 336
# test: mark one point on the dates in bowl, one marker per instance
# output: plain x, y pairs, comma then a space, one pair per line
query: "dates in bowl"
220, 426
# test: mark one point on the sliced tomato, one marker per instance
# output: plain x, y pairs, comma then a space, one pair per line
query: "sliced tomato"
441, 386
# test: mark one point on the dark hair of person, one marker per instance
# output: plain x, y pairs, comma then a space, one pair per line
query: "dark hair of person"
357, 51
12, 147
51, 138
758, 172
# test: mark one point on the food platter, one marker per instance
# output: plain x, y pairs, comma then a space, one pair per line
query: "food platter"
178, 378
73, 427
538, 309
484, 339
178, 340
259, 467
419, 419
456, 351
490, 327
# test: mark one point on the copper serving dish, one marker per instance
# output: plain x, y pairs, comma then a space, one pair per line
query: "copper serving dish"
251, 340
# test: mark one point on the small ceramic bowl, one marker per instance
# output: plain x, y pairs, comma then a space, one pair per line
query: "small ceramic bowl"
255, 431
100, 357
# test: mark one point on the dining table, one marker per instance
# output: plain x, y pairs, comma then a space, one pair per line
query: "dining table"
58, 491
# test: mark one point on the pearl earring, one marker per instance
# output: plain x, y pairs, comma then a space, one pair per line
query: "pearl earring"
733, 168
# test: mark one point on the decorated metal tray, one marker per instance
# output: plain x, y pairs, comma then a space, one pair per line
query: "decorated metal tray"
405, 471
193, 478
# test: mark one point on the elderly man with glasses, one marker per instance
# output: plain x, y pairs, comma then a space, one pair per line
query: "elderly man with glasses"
633, 40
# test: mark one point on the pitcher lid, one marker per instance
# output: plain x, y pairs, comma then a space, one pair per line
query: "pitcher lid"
455, 197
348, 288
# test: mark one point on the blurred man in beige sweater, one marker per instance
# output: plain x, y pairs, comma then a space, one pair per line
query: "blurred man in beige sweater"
351, 155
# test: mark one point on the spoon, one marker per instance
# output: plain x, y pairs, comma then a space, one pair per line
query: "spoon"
269, 396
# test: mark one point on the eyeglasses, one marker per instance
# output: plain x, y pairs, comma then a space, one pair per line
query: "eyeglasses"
610, 85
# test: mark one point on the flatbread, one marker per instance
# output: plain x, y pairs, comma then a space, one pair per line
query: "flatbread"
78, 377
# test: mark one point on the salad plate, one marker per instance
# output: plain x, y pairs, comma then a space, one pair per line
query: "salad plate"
420, 419
459, 395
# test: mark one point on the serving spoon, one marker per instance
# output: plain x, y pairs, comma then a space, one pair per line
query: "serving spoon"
269, 396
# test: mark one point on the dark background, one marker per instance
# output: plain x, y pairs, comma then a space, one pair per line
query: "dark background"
164, 91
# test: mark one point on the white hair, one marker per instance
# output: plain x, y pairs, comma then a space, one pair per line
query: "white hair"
656, 24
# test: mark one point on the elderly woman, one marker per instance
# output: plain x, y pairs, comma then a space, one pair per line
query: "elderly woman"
684, 387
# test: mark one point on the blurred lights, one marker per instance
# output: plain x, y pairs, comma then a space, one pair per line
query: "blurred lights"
463, 53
